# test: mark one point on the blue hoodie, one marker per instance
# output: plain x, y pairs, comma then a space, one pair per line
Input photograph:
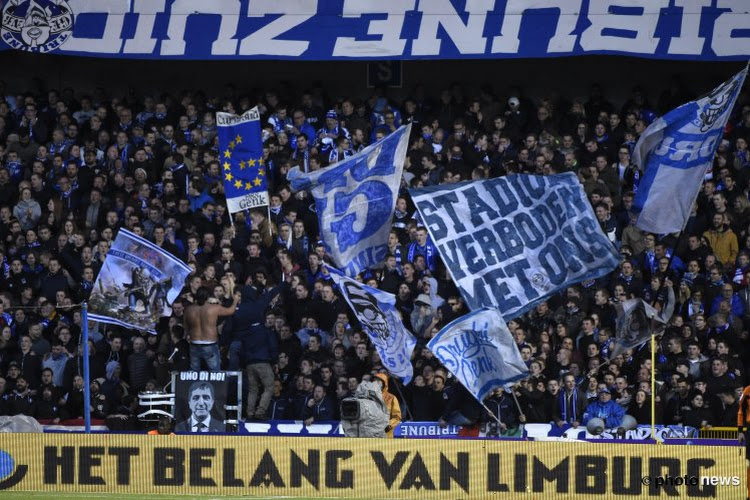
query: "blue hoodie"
259, 344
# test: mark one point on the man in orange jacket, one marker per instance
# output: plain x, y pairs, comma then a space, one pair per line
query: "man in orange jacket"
743, 428
394, 409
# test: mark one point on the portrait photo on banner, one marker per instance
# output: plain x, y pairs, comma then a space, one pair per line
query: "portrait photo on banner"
200, 400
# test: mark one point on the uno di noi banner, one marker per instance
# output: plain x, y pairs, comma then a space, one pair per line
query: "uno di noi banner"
364, 468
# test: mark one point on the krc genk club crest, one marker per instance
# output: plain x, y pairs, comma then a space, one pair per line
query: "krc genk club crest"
36, 25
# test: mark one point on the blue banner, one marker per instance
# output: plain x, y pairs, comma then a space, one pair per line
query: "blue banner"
675, 152
137, 283
355, 200
241, 159
368, 29
376, 311
511, 242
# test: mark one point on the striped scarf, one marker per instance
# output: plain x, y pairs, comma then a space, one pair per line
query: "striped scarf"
573, 406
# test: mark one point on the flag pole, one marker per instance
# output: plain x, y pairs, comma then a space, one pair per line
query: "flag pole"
270, 232
406, 404
653, 386
490, 413
231, 219
86, 372
518, 405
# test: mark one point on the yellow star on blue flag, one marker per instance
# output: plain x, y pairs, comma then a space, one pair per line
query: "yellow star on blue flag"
245, 172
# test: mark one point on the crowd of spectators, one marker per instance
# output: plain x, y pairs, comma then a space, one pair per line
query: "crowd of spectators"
75, 168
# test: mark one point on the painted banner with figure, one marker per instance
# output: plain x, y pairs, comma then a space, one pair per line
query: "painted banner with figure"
137, 283
513, 241
480, 351
675, 152
200, 400
355, 200
348, 30
376, 311
241, 158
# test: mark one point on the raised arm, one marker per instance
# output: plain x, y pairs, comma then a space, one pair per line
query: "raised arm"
228, 311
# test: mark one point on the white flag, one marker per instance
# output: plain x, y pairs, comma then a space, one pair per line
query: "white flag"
480, 351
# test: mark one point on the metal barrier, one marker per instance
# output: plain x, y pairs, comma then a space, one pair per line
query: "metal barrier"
718, 433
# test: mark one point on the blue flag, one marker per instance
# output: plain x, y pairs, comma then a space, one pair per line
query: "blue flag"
241, 157
376, 311
675, 153
480, 351
355, 200
137, 284
511, 242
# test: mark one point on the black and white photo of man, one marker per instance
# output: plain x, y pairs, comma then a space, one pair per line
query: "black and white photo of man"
201, 402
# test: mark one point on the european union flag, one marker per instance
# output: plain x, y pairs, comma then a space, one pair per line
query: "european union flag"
242, 163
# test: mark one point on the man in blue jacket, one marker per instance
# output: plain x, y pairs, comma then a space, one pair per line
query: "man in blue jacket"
461, 407
319, 407
606, 409
259, 348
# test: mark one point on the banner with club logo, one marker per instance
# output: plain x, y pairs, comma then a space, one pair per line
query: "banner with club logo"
348, 30
675, 152
376, 312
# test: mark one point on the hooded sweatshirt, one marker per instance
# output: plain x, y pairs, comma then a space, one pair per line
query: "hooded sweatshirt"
394, 409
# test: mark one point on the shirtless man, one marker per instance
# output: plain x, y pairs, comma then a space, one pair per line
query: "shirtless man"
200, 323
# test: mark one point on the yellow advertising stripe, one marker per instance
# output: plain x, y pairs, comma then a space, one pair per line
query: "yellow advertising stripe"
363, 468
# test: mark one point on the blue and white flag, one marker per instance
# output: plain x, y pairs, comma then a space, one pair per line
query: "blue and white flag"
241, 156
376, 311
675, 152
480, 351
511, 242
137, 284
355, 200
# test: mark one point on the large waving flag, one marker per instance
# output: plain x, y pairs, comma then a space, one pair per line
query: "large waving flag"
675, 153
637, 320
376, 312
241, 157
355, 200
480, 351
137, 284
511, 242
